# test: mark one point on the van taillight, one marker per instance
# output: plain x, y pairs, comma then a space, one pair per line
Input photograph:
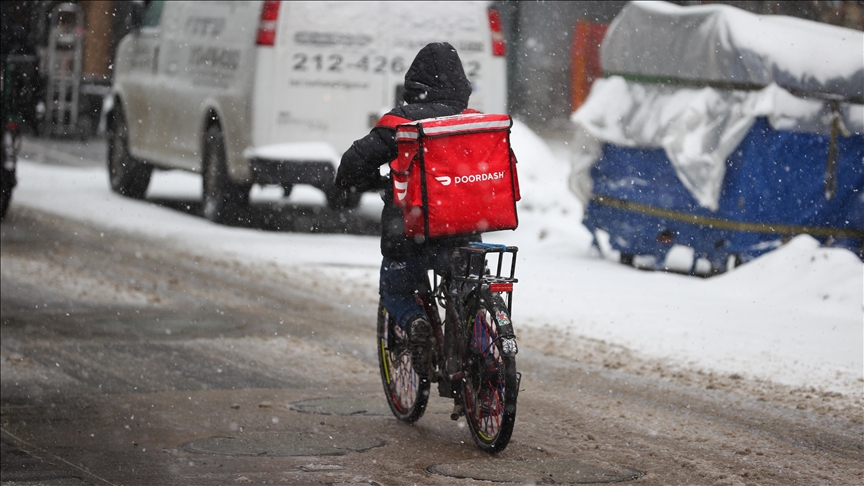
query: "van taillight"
499, 48
267, 24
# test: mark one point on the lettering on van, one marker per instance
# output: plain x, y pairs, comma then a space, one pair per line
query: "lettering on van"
205, 26
219, 80
414, 44
318, 83
338, 63
322, 39
285, 118
143, 56
214, 57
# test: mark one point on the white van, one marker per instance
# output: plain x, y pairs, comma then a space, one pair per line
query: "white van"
274, 92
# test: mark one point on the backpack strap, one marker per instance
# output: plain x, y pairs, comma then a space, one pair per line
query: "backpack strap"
391, 121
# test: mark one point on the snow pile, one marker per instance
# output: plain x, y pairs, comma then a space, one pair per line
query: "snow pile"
793, 316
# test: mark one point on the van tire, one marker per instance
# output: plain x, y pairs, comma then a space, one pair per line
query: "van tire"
127, 175
222, 198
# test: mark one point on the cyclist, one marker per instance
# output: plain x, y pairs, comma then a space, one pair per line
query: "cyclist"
435, 85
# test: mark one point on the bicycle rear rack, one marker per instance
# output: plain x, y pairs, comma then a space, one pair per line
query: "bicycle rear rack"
477, 273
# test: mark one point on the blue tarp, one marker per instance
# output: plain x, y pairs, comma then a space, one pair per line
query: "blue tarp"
774, 188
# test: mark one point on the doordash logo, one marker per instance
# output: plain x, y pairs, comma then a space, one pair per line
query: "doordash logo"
489, 176
401, 188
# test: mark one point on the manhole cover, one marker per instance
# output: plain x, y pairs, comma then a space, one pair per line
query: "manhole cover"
282, 444
343, 406
536, 471
373, 406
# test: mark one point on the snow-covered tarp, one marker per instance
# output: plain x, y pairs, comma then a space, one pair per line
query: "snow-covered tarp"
723, 44
692, 80
697, 127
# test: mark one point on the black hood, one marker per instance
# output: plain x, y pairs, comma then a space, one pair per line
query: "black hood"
436, 75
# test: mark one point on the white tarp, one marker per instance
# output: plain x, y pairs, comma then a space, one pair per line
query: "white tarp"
699, 127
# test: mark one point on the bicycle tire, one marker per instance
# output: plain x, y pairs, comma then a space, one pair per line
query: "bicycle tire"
490, 384
407, 394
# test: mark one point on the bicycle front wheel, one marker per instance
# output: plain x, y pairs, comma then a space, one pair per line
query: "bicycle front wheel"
407, 394
490, 382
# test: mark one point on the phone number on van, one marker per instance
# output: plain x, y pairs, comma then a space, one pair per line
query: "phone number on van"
377, 64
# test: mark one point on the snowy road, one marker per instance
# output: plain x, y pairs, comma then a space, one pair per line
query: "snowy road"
124, 351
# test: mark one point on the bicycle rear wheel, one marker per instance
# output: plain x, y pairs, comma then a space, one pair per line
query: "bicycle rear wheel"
490, 383
407, 394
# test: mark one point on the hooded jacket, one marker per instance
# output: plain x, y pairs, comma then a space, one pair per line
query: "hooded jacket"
435, 85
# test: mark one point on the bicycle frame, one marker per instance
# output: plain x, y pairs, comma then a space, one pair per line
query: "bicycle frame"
473, 353
468, 274
475, 272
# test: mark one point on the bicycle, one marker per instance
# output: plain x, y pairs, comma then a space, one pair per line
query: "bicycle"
473, 359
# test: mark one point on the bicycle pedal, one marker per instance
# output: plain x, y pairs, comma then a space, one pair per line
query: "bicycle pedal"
457, 412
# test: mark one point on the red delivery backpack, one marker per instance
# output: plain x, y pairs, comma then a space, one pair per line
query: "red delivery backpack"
456, 175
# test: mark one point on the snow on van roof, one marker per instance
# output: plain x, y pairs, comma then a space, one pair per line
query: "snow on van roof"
723, 44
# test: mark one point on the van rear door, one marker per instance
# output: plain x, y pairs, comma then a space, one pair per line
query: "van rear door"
465, 25
335, 66
328, 74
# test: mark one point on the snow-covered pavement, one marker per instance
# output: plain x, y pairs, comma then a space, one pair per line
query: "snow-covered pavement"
794, 316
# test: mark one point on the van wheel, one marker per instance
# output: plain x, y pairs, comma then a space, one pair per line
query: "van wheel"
128, 176
223, 198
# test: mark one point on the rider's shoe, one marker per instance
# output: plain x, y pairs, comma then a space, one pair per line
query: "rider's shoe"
458, 411
419, 334
445, 388
419, 331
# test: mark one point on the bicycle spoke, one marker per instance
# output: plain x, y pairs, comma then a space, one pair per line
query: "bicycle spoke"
404, 382
406, 393
489, 377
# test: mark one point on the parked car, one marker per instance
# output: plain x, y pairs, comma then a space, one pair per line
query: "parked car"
272, 93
